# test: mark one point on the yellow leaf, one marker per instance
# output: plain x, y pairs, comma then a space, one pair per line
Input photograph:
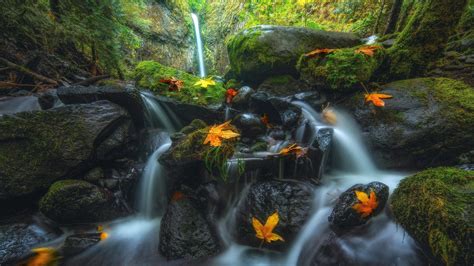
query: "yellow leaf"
367, 204
329, 116
218, 132
265, 232
104, 235
294, 149
43, 257
376, 98
204, 83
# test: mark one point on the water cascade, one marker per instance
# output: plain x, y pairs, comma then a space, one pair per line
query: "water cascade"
202, 68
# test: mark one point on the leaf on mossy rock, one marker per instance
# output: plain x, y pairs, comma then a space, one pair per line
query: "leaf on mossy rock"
265, 232
368, 50
204, 83
230, 94
174, 83
217, 133
367, 203
317, 52
376, 98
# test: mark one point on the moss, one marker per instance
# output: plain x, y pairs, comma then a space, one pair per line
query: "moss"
259, 146
149, 73
280, 80
436, 207
340, 70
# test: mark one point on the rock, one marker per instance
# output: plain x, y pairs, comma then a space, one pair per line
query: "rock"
185, 233
94, 175
77, 201
436, 207
125, 96
249, 125
284, 85
278, 110
241, 100
292, 200
12, 105
428, 122
344, 216
77, 243
49, 100
264, 51
38, 148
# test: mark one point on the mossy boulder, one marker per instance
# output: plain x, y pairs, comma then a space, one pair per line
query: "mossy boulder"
264, 51
428, 122
77, 201
37, 148
150, 74
436, 207
341, 69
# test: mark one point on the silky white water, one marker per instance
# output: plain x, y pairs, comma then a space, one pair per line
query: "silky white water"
197, 31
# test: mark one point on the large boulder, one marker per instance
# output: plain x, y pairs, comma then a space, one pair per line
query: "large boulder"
436, 207
264, 51
428, 122
77, 201
185, 233
292, 200
37, 148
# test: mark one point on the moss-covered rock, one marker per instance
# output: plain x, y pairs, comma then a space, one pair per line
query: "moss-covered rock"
341, 69
37, 148
263, 51
149, 73
76, 201
428, 122
436, 207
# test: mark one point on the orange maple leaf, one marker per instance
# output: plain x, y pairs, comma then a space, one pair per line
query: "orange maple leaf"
329, 116
43, 257
368, 50
376, 98
367, 204
230, 94
174, 83
317, 52
266, 121
218, 132
177, 195
265, 232
294, 149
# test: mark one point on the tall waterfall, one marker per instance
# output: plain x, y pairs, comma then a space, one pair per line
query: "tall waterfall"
202, 68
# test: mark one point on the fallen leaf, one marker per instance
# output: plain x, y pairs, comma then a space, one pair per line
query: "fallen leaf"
230, 94
43, 257
368, 50
265, 232
376, 98
294, 149
174, 83
218, 132
266, 121
367, 204
317, 52
204, 83
100, 228
104, 235
329, 116
177, 195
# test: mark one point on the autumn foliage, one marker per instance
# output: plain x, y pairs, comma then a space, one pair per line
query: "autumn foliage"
376, 98
217, 133
265, 232
367, 203
294, 149
174, 83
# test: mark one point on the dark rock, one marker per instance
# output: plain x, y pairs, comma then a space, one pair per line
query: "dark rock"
241, 100
186, 234
37, 148
124, 96
283, 86
275, 108
250, 125
76, 201
188, 112
289, 118
344, 216
291, 199
12, 105
264, 51
94, 175
428, 122
77, 243
315, 99
277, 133
48, 100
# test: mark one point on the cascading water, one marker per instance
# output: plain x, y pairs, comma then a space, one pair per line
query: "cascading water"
202, 68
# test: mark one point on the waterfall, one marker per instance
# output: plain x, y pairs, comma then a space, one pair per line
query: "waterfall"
155, 115
202, 68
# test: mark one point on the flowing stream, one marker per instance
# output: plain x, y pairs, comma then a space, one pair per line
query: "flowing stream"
202, 68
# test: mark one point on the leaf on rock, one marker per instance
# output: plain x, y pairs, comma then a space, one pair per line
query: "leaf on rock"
317, 52
265, 232
174, 83
329, 116
204, 83
376, 98
266, 121
217, 133
367, 204
368, 50
43, 257
230, 94
294, 149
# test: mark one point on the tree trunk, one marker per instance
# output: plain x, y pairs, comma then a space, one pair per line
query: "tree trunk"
394, 14
377, 22
405, 14
424, 38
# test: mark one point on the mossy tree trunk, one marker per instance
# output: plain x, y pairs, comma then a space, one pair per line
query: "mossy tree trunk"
393, 18
424, 38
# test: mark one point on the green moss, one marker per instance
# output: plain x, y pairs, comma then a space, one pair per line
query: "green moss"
342, 69
436, 207
280, 80
149, 73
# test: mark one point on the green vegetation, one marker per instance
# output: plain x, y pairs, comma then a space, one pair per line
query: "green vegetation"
436, 207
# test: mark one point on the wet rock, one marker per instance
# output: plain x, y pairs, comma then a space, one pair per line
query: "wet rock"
11, 105
291, 199
250, 125
48, 100
428, 122
278, 110
277, 133
125, 96
186, 234
94, 175
264, 51
77, 243
435, 207
76, 201
344, 215
241, 100
282, 86
38, 148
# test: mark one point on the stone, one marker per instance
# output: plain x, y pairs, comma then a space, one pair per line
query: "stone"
250, 125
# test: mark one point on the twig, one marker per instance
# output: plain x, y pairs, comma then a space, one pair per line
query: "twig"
92, 80
5, 84
28, 72
5, 69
